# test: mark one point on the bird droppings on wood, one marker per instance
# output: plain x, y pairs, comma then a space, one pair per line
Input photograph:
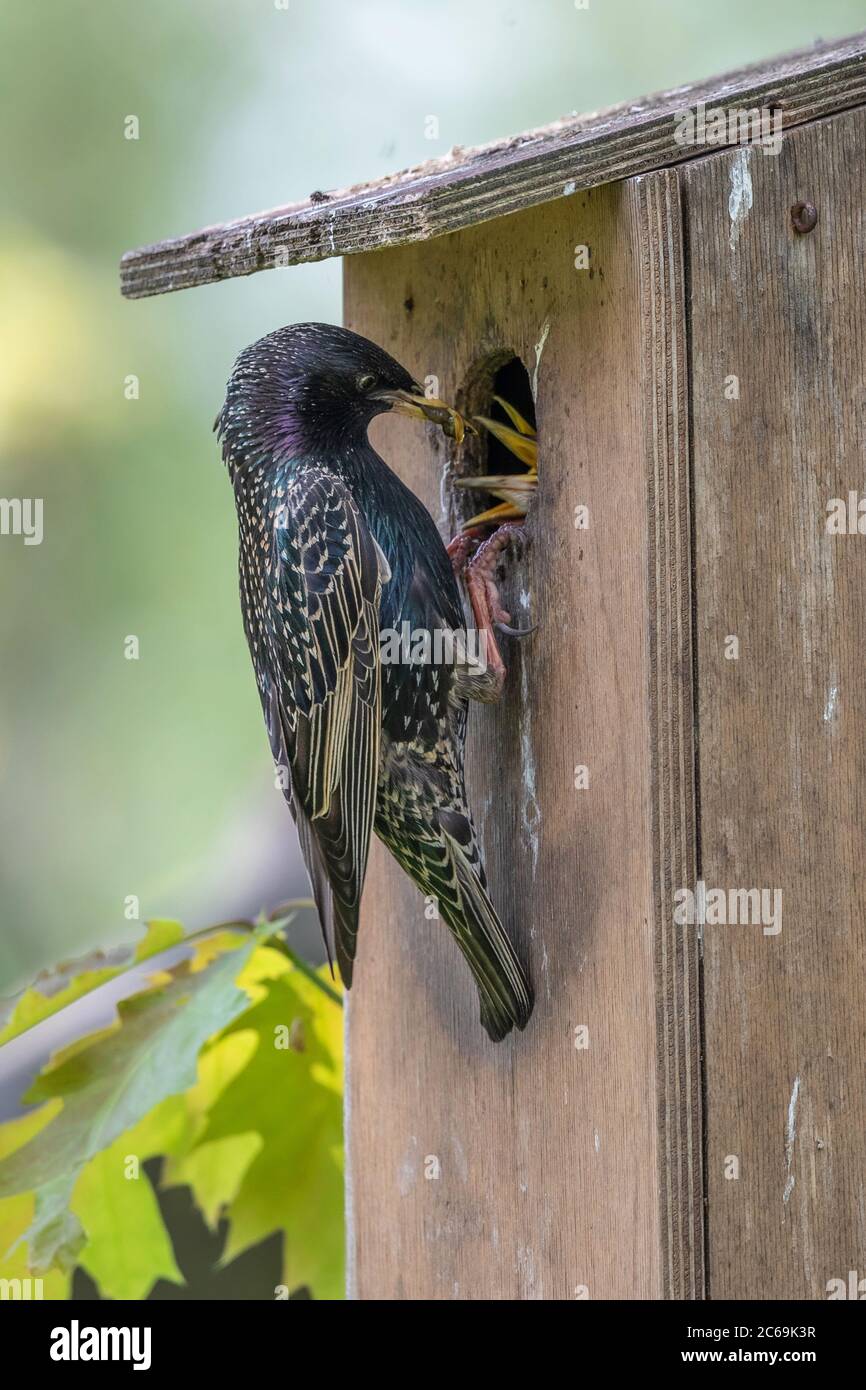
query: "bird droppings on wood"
790, 1139
740, 198
539, 349
530, 808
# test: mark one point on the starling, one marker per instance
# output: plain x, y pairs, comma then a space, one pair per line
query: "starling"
334, 551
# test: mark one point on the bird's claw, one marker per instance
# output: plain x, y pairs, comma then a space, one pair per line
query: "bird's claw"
479, 574
516, 631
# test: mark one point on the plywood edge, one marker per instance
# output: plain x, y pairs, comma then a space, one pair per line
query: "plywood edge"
670, 696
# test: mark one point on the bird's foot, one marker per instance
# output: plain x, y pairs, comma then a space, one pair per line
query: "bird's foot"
479, 575
460, 548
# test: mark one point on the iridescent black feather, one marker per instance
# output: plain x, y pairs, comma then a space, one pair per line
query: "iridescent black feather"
334, 548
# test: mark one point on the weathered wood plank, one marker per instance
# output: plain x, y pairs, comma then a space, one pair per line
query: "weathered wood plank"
476, 185
782, 752
549, 1161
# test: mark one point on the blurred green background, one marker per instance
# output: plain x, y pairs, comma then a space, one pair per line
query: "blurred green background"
152, 777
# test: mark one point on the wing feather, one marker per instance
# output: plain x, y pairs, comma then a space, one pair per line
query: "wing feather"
317, 660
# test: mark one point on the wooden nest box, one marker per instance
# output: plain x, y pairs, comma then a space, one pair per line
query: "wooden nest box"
686, 1112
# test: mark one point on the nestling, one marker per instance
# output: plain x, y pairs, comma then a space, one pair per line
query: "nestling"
334, 548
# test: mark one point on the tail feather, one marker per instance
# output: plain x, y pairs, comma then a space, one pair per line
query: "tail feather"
338, 919
503, 989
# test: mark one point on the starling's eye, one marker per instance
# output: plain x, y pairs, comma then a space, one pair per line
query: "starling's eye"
365, 381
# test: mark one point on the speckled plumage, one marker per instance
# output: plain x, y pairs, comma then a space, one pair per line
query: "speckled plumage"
334, 549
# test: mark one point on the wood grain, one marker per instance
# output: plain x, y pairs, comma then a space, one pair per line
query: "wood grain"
671, 702
475, 185
535, 1169
782, 752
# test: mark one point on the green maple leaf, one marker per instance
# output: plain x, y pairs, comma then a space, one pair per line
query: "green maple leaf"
51, 992
110, 1081
127, 1245
289, 1094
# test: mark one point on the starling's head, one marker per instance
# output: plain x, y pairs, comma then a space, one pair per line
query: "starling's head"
314, 386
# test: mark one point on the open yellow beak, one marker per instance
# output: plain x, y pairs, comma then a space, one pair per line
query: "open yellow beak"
422, 407
516, 490
524, 446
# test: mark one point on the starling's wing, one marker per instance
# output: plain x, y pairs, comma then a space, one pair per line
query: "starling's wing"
321, 689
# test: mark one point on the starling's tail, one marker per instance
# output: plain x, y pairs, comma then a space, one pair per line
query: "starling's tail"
504, 991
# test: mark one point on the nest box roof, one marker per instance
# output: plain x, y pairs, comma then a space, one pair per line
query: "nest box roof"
474, 185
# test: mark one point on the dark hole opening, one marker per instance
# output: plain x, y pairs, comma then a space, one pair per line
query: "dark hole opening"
512, 383
501, 374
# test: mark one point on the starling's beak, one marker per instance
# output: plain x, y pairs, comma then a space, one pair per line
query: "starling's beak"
422, 407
